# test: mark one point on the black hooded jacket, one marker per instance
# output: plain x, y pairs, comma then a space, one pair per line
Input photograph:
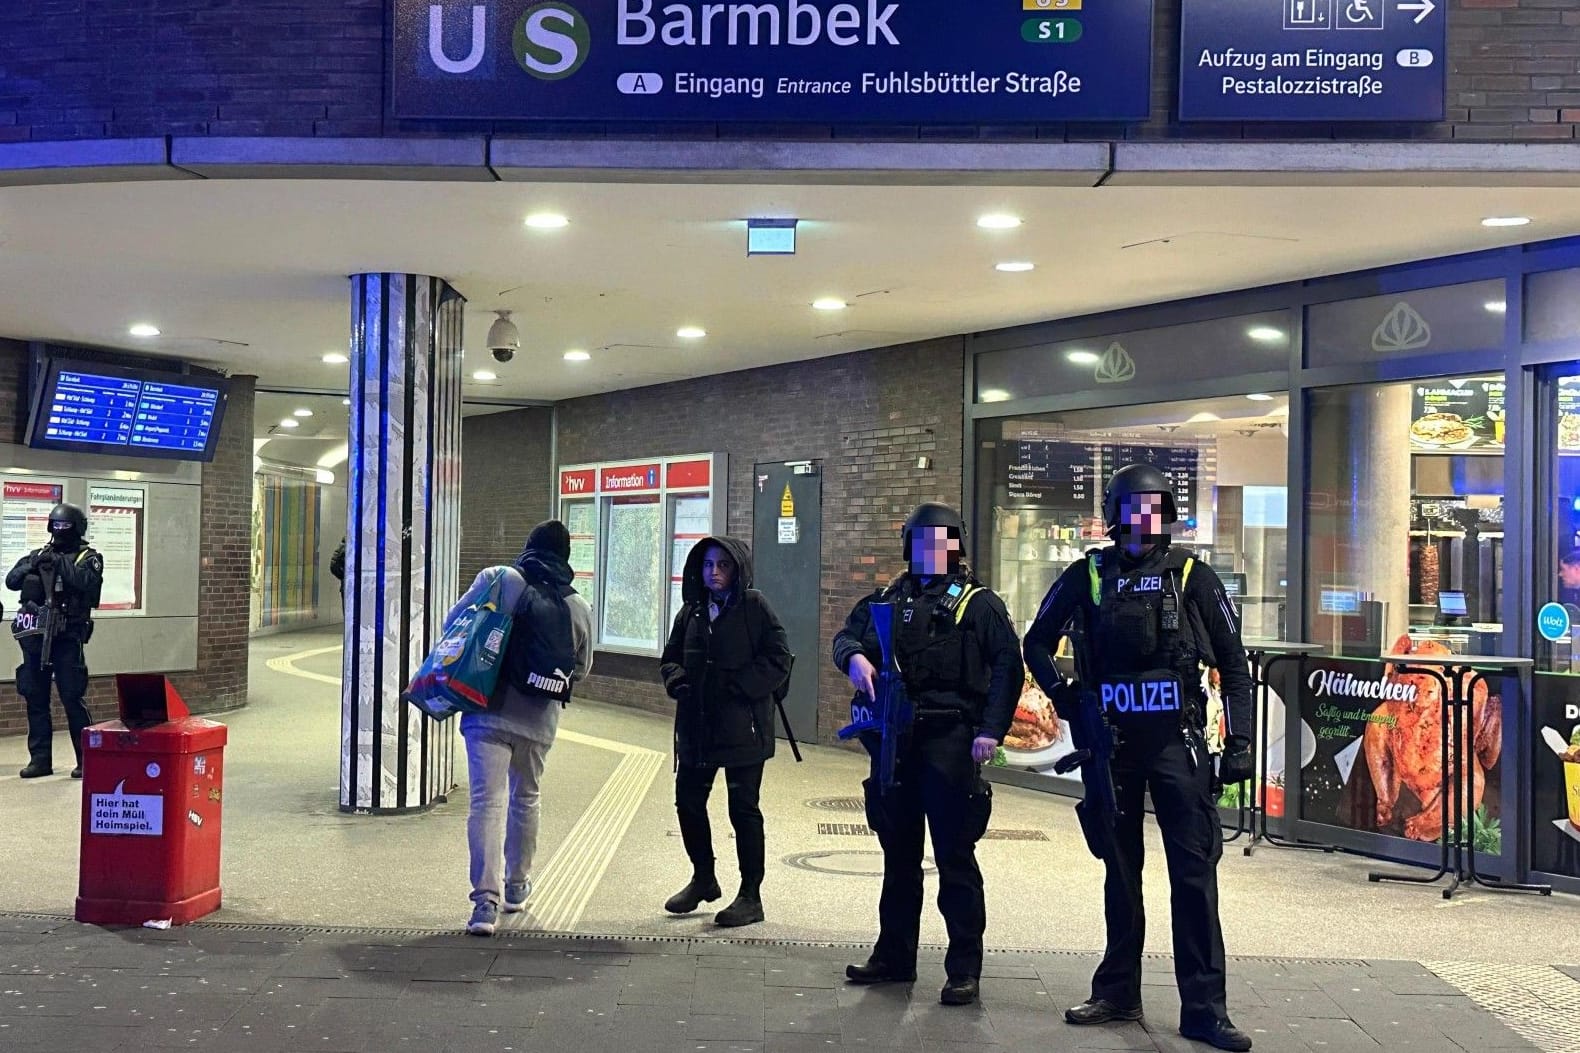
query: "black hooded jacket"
722, 673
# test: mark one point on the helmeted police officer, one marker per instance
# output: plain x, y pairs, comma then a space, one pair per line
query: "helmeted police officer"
1147, 617
60, 586
961, 665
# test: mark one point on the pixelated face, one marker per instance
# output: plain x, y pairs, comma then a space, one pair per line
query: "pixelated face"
1569, 575
1141, 521
935, 551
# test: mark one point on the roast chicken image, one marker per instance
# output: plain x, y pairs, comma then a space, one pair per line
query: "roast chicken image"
1410, 752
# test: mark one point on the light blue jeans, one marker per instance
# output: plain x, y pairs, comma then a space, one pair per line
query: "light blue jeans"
502, 829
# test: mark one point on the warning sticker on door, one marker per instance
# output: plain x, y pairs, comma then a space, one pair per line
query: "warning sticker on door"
134, 814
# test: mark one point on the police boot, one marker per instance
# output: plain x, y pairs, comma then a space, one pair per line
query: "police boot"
702, 888
1100, 1011
874, 971
1221, 1034
746, 910
960, 990
36, 769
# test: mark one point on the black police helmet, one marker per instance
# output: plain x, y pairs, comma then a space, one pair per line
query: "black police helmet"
931, 514
1137, 479
68, 521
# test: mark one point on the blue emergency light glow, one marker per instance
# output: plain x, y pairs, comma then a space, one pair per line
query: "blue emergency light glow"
770, 237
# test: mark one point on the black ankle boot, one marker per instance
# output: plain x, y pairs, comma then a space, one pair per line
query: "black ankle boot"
746, 910
36, 769
702, 888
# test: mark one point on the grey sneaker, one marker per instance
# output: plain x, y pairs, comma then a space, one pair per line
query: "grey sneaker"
516, 893
485, 916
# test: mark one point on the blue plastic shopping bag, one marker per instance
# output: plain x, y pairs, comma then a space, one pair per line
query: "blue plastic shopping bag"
461, 671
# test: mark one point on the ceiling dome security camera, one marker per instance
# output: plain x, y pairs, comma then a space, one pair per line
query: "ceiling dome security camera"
504, 339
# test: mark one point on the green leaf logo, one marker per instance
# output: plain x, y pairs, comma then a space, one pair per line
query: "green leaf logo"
1402, 330
1116, 366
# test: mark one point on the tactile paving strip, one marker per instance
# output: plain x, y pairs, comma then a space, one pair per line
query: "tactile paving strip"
1537, 1001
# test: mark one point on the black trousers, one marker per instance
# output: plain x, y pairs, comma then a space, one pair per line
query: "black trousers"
69, 671
744, 785
1192, 843
936, 780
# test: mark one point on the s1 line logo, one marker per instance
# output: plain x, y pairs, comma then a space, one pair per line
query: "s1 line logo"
551, 40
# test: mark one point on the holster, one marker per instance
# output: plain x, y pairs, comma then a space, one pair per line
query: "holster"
1097, 830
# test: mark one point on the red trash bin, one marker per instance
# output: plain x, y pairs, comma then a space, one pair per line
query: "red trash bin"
152, 789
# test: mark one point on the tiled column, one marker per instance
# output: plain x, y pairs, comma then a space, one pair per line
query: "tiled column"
403, 536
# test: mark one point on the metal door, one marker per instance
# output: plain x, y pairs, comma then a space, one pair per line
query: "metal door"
787, 548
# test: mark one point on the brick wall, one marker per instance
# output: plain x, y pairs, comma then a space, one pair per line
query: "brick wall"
75, 69
867, 417
505, 483
220, 680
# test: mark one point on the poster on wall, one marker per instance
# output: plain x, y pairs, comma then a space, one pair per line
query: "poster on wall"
693, 520
116, 517
632, 608
581, 521
1555, 775
24, 518
1378, 762
1459, 415
1569, 414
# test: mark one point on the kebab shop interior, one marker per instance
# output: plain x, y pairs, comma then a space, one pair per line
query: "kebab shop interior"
1376, 464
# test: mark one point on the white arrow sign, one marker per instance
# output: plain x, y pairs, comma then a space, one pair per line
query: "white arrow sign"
1423, 7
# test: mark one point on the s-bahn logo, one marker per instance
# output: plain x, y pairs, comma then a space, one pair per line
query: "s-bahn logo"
551, 40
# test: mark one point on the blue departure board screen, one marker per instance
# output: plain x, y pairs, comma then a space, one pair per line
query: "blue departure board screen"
110, 409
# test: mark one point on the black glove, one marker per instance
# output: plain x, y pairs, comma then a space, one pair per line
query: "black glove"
45, 560
1066, 699
1237, 764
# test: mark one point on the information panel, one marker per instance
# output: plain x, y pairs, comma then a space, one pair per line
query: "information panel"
99, 410
115, 516
1312, 60
774, 60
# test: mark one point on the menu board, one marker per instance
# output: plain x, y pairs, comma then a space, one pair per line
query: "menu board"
1060, 474
1569, 414
1053, 474
1461, 415
121, 411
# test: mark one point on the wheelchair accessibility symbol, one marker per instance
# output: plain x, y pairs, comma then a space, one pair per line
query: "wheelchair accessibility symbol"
1360, 14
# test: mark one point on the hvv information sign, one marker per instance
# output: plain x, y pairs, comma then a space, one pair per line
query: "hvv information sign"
863, 61
1312, 60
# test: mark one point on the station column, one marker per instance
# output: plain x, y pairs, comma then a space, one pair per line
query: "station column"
403, 536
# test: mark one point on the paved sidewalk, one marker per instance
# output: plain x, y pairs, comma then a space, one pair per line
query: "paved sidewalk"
279, 989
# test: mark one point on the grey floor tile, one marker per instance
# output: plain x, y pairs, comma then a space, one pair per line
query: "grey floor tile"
801, 1011
799, 972
725, 1027
802, 1044
1334, 1036
1302, 1003
490, 1040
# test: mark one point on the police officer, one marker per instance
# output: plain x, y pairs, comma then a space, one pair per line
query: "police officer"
1145, 617
60, 586
962, 669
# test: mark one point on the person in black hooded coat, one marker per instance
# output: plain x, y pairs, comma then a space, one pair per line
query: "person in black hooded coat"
726, 657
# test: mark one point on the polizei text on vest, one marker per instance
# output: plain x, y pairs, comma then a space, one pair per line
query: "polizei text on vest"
773, 24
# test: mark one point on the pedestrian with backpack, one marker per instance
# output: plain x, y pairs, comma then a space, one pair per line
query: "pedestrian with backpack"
726, 661
549, 649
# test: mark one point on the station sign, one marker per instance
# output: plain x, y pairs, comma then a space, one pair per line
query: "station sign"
863, 61
1313, 60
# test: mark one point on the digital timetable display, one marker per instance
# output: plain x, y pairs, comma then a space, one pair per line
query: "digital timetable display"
98, 408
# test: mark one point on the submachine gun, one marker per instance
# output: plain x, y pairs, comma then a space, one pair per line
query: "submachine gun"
890, 713
1094, 741
42, 620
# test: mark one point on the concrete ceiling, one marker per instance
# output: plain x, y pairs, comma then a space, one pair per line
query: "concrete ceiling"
251, 275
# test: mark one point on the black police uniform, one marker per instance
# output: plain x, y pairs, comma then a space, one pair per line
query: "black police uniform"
963, 672
1150, 621
68, 575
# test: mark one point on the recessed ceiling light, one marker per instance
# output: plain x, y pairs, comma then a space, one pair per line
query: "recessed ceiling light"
290, 422
576, 356
830, 303
1496, 306
1505, 221
1083, 358
302, 413
1260, 397
143, 329
1016, 267
547, 221
994, 395
998, 221
1265, 333
484, 376
691, 332
335, 358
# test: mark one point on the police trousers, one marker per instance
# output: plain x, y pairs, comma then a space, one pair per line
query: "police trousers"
936, 785
69, 671
1161, 761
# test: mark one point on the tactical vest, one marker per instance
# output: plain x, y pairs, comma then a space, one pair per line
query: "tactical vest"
1147, 665
940, 658
541, 655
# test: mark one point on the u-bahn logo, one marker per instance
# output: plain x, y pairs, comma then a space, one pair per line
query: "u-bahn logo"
551, 40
